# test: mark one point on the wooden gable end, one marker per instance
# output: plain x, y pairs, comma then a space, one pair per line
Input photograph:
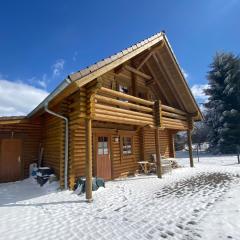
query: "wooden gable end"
146, 76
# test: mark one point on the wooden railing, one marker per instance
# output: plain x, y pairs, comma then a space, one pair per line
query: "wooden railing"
173, 118
112, 106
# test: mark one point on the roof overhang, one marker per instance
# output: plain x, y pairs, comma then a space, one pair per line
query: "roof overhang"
13, 120
199, 115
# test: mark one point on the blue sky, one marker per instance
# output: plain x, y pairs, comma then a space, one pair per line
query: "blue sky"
41, 42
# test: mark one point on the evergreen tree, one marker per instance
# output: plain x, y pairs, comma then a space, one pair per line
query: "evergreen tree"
223, 107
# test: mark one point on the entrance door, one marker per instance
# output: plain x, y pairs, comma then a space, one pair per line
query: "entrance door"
103, 157
10, 160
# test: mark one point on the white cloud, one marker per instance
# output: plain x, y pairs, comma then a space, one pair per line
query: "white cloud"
75, 55
42, 82
202, 107
185, 74
198, 92
57, 67
17, 98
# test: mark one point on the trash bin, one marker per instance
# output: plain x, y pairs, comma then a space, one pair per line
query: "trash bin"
43, 174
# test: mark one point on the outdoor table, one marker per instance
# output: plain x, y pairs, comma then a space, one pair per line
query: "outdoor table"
144, 166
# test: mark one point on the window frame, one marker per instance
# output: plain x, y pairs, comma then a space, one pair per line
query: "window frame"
121, 88
122, 146
103, 147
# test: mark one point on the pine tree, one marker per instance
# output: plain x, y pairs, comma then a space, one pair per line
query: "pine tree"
223, 107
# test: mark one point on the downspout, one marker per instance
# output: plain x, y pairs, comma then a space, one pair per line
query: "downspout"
65, 143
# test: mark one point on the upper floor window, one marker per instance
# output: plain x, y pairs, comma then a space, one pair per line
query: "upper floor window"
123, 89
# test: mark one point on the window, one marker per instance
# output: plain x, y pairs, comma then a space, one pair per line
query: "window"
123, 89
127, 145
102, 145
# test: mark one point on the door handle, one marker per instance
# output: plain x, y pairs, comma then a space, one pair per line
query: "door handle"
19, 159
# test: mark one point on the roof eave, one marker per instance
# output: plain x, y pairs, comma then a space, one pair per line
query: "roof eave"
50, 97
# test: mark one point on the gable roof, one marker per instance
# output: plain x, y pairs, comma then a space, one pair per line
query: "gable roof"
118, 58
84, 76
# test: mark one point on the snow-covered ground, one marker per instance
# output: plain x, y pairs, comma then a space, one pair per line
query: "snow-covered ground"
198, 203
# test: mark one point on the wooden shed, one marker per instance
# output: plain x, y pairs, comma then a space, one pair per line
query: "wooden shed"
104, 119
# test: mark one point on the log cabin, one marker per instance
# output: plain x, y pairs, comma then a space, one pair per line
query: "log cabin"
104, 119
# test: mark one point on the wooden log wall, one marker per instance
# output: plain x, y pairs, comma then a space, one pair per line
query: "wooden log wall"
111, 80
31, 135
77, 153
54, 141
149, 143
77, 150
137, 145
80, 104
124, 165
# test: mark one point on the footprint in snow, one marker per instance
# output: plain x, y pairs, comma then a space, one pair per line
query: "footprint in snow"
170, 233
179, 226
192, 222
163, 235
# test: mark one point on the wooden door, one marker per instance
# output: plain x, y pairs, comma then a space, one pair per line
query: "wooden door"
103, 157
10, 160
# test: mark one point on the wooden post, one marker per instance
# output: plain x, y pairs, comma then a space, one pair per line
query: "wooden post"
89, 160
133, 78
172, 149
142, 144
190, 147
158, 154
158, 113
